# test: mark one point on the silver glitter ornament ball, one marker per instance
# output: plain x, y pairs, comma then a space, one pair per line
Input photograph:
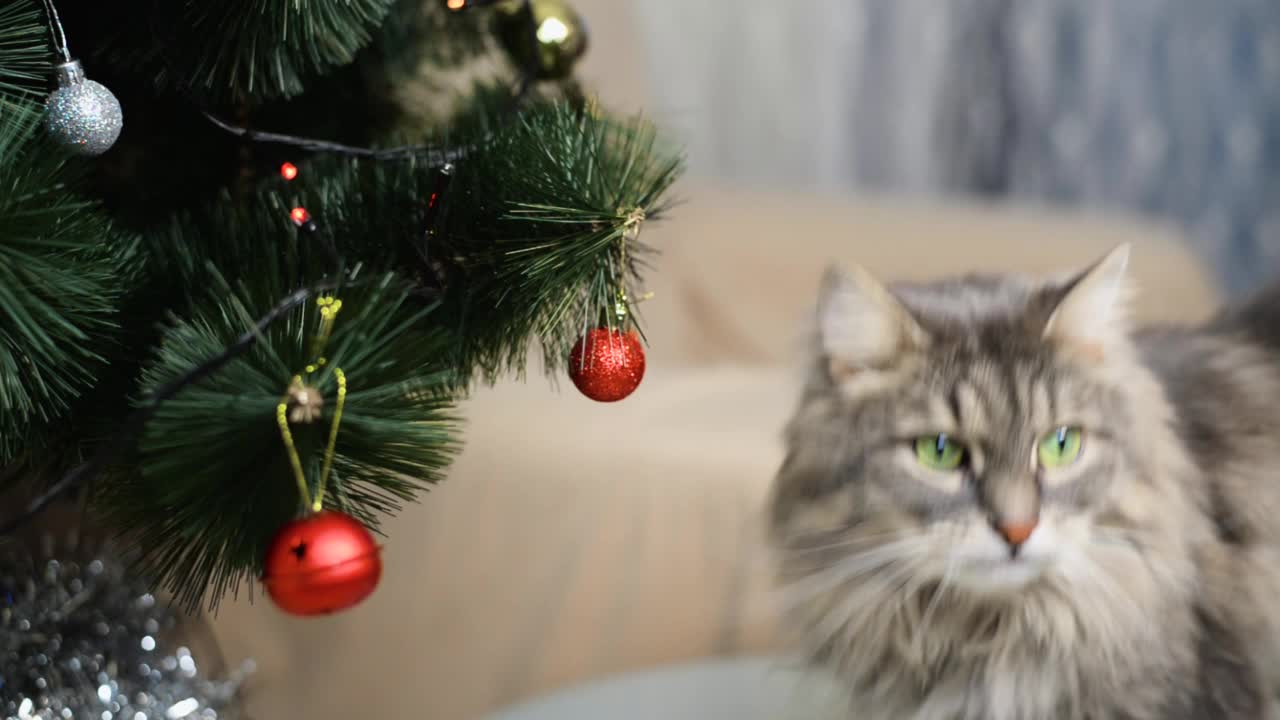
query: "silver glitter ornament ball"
82, 115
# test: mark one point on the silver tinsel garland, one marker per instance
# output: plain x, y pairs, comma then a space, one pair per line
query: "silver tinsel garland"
82, 639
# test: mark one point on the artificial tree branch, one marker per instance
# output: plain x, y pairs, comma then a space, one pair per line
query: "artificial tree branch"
442, 156
124, 437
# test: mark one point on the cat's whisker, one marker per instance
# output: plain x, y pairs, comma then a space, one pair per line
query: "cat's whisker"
1115, 598
878, 538
867, 596
798, 594
942, 589
1125, 535
1132, 541
849, 569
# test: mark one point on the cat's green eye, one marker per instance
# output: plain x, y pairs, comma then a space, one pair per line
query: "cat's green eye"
1060, 447
939, 452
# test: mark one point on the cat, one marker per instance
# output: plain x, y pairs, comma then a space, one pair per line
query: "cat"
1001, 501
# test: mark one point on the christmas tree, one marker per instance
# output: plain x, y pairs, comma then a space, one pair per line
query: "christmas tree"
253, 252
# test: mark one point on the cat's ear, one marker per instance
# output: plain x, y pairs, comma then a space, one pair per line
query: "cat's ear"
1092, 315
861, 325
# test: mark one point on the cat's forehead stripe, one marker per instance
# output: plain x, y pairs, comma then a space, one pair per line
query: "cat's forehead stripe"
1015, 389
1002, 397
968, 300
955, 403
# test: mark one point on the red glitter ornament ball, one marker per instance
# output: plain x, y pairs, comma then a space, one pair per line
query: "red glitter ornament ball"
321, 564
607, 365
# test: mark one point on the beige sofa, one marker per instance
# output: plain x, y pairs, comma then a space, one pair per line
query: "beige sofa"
575, 540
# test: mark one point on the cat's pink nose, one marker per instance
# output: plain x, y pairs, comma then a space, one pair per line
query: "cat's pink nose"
1016, 533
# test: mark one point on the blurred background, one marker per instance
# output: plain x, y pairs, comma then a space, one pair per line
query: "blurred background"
575, 541
1165, 108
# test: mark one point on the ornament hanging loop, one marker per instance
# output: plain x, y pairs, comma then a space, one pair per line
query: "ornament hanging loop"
295, 460
332, 446
58, 34
302, 403
329, 309
631, 221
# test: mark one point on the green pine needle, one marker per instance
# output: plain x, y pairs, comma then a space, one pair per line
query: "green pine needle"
58, 287
231, 50
539, 215
24, 53
214, 480
529, 245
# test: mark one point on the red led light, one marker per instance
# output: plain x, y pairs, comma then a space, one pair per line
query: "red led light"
300, 216
288, 171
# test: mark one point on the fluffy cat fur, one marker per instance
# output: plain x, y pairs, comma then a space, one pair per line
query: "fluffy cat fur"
1150, 587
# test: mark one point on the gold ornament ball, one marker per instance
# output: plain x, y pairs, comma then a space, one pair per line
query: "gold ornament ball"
556, 28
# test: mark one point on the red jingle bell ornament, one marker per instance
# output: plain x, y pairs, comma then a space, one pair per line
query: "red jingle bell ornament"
607, 365
322, 563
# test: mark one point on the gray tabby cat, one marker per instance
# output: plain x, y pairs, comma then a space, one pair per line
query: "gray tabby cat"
1001, 503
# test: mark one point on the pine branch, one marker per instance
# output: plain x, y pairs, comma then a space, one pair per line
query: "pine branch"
119, 442
24, 53
231, 50
537, 226
529, 244
59, 288
214, 480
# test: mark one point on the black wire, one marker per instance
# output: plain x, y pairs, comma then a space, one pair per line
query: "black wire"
123, 439
441, 155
